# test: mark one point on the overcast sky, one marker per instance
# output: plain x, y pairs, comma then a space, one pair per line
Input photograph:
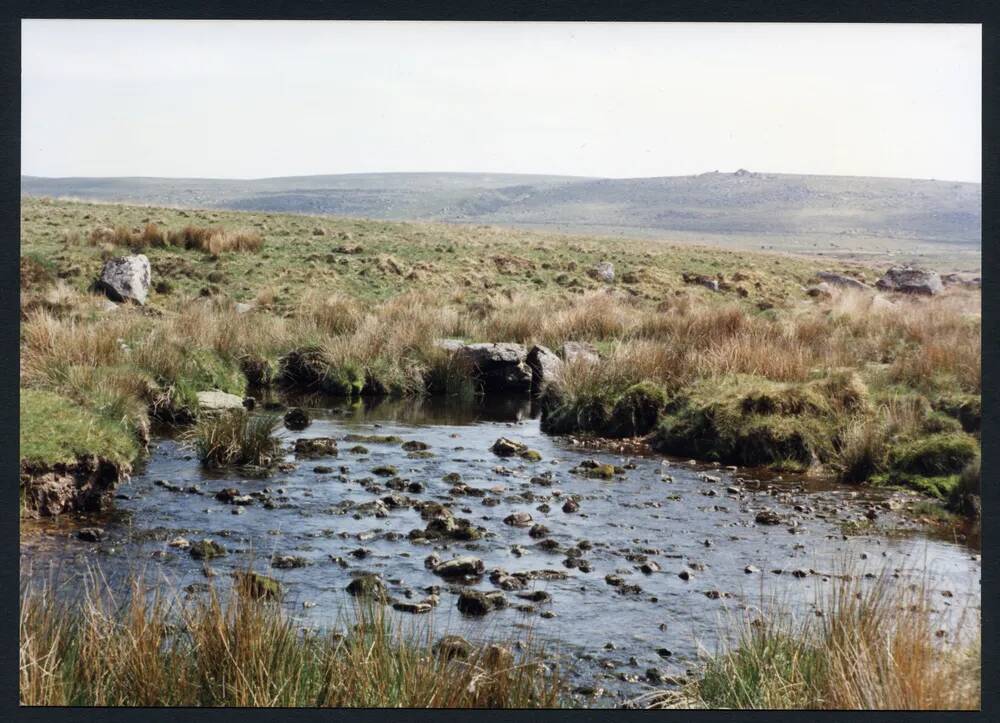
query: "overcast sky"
249, 99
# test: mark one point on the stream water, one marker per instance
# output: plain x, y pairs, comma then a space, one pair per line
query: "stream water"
678, 515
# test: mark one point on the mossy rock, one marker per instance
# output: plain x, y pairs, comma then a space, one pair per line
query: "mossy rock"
531, 455
373, 438
368, 586
637, 410
257, 586
206, 550
594, 470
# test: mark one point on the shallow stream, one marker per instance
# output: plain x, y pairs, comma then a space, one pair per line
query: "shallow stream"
678, 515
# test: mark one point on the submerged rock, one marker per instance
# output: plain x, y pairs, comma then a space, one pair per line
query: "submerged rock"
477, 603
315, 447
206, 550
288, 562
368, 585
460, 567
518, 519
593, 469
504, 447
768, 517
90, 534
258, 586
297, 419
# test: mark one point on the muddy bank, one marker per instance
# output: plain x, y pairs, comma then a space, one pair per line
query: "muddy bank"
86, 485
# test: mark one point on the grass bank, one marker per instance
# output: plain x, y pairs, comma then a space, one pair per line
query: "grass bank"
876, 647
149, 649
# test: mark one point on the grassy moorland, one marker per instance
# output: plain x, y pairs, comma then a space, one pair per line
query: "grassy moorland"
759, 373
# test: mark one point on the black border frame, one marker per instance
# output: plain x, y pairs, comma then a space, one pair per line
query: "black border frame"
842, 11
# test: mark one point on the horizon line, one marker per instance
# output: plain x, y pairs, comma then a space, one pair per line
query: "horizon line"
490, 173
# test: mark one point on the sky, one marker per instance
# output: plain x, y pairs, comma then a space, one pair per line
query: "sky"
252, 99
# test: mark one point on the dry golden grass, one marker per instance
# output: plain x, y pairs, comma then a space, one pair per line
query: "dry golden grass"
155, 649
871, 647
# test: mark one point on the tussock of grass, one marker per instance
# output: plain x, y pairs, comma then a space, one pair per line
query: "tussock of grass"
236, 437
214, 241
861, 450
872, 648
750, 421
158, 650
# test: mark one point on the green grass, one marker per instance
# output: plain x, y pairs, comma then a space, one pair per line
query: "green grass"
750, 421
931, 464
438, 257
56, 430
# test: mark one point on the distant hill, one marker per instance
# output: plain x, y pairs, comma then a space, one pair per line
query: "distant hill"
936, 221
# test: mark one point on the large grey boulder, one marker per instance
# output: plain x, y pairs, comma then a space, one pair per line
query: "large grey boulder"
126, 278
216, 401
911, 281
545, 367
842, 280
499, 367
